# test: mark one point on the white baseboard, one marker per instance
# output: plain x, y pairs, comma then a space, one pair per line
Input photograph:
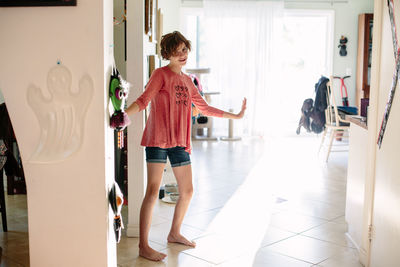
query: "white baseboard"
132, 230
362, 255
353, 242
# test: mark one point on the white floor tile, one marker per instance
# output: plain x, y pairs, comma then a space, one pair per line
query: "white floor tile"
306, 249
217, 249
274, 235
348, 258
295, 222
201, 221
331, 232
316, 209
177, 258
266, 257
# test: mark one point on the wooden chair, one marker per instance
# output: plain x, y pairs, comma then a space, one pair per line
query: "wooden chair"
3, 203
15, 178
335, 126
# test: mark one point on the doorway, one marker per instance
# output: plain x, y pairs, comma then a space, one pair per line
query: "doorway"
296, 52
306, 55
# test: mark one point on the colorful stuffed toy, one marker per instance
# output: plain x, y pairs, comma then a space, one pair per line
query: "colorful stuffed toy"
116, 200
119, 89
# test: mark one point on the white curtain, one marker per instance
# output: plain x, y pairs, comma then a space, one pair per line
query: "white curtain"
239, 42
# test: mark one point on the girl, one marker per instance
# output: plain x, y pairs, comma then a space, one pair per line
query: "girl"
167, 134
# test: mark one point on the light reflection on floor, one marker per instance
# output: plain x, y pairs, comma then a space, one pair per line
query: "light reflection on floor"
257, 202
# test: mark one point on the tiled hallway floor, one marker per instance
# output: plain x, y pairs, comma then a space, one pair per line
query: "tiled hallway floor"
257, 202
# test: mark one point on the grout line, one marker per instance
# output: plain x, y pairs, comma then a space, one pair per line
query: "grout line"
292, 257
273, 243
199, 258
338, 218
327, 241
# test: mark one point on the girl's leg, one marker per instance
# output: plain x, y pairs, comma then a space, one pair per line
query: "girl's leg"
154, 177
183, 175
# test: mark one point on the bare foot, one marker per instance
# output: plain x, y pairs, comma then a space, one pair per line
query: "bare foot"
151, 254
172, 238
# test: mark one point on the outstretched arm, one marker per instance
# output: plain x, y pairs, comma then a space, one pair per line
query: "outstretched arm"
239, 115
132, 109
207, 110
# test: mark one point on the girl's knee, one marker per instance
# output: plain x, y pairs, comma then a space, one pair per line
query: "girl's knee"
152, 192
187, 193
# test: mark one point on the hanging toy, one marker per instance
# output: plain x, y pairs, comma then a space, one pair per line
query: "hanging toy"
342, 45
116, 200
119, 89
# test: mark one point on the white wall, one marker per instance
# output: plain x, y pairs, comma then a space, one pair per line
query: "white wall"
171, 10
68, 211
119, 38
136, 75
346, 23
171, 18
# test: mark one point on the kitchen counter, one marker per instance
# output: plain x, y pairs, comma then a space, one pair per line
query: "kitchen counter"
358, 120
356, 175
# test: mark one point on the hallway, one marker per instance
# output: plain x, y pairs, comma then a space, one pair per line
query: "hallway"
257, 203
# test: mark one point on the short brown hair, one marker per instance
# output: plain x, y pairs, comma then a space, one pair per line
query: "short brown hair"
170, 42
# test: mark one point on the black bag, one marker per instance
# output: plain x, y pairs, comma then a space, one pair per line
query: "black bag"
306, 111
202, 120
313, 112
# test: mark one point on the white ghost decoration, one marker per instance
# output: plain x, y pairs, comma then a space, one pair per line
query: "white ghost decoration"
61, 117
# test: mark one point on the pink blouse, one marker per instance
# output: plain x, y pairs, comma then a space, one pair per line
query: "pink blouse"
170, 118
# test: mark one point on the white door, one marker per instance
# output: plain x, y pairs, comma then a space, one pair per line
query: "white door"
386, 206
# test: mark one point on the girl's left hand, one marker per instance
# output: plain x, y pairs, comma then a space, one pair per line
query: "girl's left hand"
241, 113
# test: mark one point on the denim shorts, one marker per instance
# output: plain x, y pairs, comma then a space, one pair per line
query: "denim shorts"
177, 155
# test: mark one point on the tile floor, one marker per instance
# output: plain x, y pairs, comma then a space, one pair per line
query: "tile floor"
257, 202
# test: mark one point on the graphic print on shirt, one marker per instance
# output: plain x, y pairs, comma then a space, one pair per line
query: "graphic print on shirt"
181, 94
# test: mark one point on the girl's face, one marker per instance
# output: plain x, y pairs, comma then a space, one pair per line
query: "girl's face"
180, 56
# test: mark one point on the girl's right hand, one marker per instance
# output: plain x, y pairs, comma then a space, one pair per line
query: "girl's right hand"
241, 113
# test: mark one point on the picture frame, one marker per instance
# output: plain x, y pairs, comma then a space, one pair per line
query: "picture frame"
147, 29
151, 12
159, 30
36, 3
150, 18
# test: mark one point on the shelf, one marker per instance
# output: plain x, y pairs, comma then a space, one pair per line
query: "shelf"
358, 120
365, 25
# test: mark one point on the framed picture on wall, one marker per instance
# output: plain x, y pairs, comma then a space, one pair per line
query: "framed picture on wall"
159, 30
150, 16
26, 3
147, 28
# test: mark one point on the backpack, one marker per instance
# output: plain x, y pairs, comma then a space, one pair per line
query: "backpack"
313, 111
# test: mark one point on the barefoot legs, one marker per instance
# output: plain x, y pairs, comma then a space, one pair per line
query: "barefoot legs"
183, 175
154, 176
